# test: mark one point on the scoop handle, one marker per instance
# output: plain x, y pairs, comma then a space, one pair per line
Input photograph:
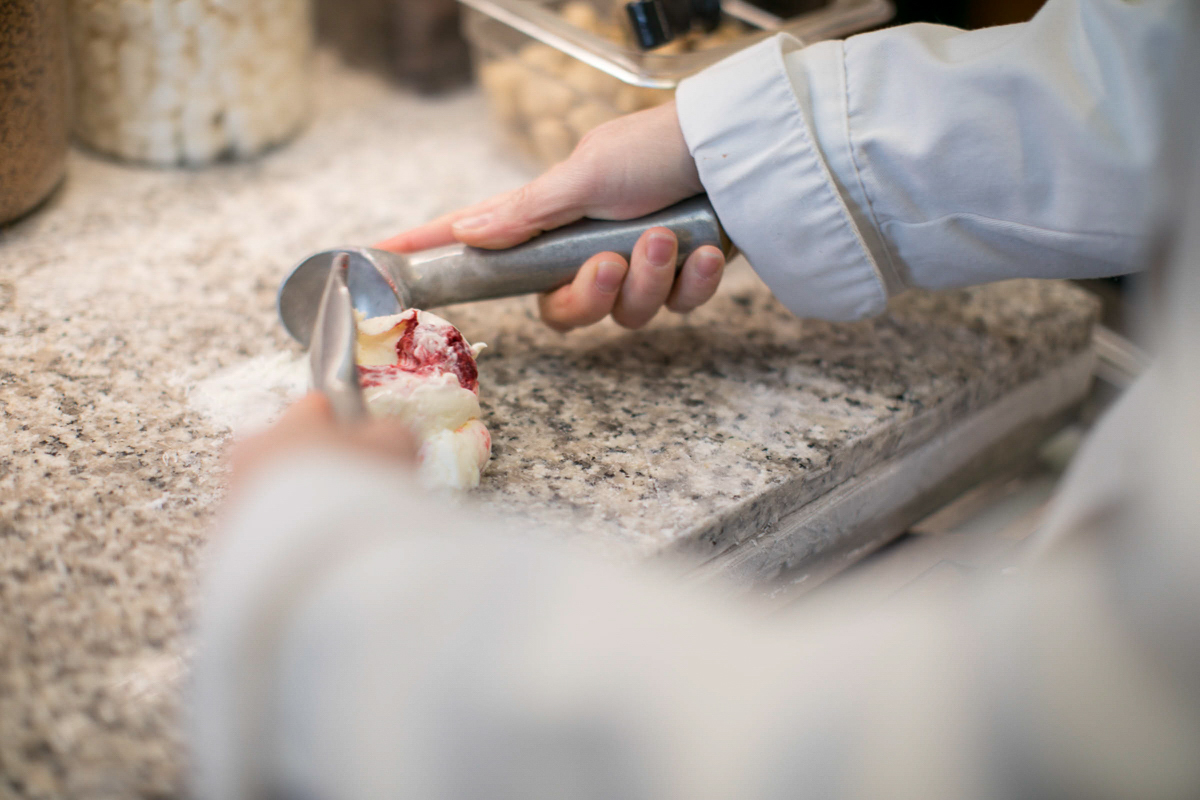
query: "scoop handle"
458, 274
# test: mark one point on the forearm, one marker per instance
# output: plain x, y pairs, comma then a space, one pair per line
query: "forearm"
927, 156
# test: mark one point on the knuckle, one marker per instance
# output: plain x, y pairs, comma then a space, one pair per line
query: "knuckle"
588, 165
523, 200
537, 204
590, 142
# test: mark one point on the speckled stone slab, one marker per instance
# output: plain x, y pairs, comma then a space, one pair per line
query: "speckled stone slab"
696, 433
134, 286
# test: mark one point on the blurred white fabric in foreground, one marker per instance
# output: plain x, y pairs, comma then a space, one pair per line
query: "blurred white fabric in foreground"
357, 641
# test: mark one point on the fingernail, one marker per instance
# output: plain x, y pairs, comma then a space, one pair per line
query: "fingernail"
708, 264
473, 223
660, 250
609, 275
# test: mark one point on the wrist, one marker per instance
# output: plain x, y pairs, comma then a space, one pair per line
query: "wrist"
689, 174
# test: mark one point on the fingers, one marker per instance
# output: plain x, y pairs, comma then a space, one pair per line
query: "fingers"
386, 438
310, 420
651, 275
554, 199
311, 413
634, 293
311, 410
698, 280
309, 424
440, 231
587, 299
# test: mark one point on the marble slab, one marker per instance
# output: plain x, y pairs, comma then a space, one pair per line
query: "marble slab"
135, 295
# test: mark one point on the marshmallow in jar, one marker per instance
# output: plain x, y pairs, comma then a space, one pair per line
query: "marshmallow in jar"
189, 81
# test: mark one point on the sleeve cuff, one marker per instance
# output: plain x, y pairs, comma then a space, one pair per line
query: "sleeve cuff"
757, 157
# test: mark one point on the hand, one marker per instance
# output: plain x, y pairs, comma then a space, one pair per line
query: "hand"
625, 168
309, 424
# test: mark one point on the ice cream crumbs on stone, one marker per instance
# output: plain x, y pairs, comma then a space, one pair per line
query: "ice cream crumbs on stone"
416, 367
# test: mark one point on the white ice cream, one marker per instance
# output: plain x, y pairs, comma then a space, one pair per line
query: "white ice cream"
417, 367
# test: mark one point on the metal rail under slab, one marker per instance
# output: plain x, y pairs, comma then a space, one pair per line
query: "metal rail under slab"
829, 534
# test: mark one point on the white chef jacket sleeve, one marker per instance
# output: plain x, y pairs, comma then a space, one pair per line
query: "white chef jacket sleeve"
279, 536
927, 156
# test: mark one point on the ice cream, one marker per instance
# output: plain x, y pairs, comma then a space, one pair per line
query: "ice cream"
416, 366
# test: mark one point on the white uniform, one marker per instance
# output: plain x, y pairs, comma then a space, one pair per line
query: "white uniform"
355, 642
929, 156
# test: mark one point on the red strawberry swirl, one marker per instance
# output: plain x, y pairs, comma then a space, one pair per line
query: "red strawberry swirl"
426, 351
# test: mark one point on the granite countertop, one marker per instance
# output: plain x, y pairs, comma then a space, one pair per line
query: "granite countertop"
137, 314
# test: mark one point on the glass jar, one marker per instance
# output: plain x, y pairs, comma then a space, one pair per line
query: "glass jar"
189, 81
33, 103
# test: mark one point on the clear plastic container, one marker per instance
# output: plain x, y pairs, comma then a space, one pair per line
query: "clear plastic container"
553, 70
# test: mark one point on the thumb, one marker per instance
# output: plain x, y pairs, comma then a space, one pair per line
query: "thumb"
554, 199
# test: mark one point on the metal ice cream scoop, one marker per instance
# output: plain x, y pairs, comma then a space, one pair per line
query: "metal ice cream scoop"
382, 283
